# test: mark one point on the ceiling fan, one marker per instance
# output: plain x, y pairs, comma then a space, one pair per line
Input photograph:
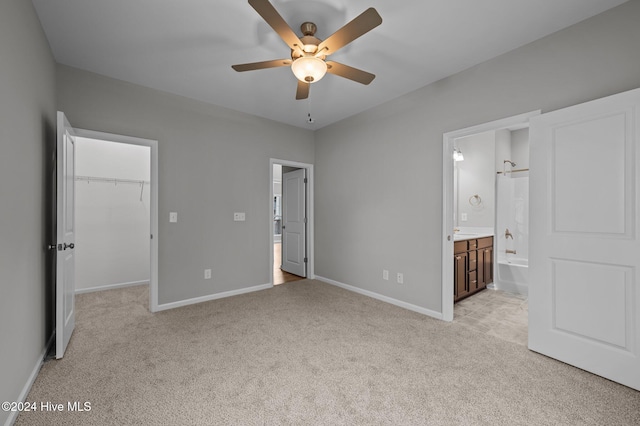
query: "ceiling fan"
308, 54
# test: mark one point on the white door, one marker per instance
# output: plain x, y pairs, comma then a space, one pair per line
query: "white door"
294, 220
65, 235
584, 297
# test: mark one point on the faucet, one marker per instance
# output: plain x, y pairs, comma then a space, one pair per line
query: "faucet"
507, 234
510, 251
456, 230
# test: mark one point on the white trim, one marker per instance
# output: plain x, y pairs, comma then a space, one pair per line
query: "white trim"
13, 415
215, 296
310, 210
448, 139
153, 253
111, 286
383, 298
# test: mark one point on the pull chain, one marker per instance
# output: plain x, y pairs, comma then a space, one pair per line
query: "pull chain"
310, 119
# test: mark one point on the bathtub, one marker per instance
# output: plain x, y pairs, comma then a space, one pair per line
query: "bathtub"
513, 275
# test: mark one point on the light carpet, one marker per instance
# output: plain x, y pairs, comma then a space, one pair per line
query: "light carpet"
307, 353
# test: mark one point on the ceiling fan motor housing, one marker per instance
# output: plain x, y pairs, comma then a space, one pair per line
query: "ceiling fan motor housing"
309, 41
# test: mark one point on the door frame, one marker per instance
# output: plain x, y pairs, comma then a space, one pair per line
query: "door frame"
309, 210
153, 208
448, 141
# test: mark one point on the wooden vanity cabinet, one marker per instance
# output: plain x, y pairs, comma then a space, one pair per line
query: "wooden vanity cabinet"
472, 266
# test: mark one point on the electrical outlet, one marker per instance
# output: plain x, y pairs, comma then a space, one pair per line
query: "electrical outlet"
464, 217
173, 217
385, 275
239, 217
207, 274
400, 278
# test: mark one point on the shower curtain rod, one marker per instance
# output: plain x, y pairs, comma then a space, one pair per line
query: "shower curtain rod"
513, 171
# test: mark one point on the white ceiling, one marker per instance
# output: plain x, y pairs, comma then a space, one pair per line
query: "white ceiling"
187, 47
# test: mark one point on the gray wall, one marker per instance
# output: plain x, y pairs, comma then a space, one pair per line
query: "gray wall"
27, 132
212, 162
379, 174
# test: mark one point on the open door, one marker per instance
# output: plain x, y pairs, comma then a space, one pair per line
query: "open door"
584, 297
294, 222
65, 235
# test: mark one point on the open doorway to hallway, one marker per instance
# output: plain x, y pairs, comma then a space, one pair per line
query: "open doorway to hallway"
291, 221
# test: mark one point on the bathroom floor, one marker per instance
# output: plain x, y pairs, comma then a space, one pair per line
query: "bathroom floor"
496, 313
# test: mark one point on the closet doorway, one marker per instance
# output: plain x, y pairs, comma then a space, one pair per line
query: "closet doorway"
116, 213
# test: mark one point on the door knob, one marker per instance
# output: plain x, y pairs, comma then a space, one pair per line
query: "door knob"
68, 246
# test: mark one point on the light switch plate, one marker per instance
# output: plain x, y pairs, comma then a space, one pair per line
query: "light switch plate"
173, 217
464, 217
239, 217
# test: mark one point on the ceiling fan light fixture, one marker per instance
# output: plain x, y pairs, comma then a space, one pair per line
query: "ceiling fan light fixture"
309, 69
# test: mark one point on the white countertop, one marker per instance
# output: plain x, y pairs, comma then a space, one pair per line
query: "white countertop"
471, 233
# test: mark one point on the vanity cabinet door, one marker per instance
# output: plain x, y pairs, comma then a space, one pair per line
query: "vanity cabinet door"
485, 261
488, 265
460, 286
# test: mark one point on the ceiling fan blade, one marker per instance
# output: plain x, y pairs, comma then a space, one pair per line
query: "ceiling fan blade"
273, 18
363, 23
342, 70
303, 90
262, 65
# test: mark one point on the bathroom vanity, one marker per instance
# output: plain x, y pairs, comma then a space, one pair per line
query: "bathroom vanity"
472, 264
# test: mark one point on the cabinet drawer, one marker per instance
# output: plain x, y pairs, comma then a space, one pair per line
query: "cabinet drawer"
473, 260
473, 280
485, 242
459, 246
472, 244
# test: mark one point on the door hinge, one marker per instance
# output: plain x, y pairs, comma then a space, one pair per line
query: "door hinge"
305, 220
305, 260
305, 180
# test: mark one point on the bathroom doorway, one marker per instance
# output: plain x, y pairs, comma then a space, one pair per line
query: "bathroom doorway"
474, 212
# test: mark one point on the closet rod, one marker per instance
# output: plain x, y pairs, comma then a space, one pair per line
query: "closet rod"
513, 171
110, 180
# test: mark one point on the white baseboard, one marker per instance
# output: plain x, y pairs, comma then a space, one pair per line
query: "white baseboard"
110, 286
13, 415
400, 303
209, 297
